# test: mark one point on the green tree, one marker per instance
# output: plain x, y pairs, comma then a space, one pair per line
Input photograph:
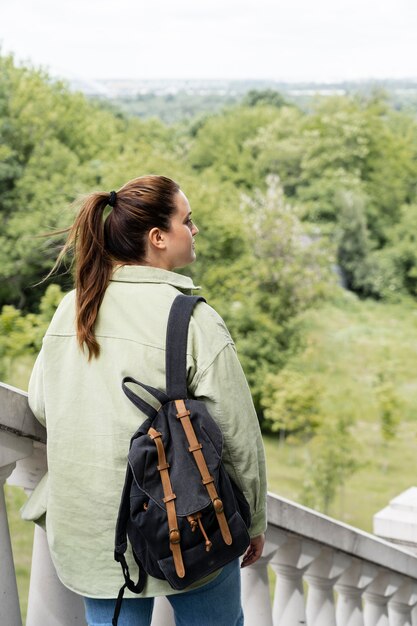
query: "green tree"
331, 459
271, 97
22, 334
291, 404
353, 243
389, 405
278, 149
400, 252
288, 271
351, 143
220, 143
291, 260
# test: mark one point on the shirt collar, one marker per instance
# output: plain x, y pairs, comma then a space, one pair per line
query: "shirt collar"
148, 274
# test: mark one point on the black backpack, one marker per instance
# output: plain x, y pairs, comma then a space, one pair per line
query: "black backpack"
182, 513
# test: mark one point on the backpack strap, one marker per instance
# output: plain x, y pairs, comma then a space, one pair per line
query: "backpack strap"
176, 345
207, 479
169, 497
121, 547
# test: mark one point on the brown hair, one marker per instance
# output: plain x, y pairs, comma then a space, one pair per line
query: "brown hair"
98, 243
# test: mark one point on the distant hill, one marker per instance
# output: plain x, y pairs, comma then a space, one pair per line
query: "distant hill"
175, 100
120, 88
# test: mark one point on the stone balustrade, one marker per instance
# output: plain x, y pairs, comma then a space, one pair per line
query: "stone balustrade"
326, 573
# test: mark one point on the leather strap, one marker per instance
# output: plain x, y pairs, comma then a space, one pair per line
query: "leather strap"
208, 481
169, 498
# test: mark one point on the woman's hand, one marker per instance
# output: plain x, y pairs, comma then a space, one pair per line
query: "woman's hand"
254, 551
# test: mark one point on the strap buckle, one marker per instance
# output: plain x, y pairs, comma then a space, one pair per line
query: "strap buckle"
218, 505
174, 536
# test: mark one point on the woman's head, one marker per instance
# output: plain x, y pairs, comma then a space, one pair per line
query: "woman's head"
149, 224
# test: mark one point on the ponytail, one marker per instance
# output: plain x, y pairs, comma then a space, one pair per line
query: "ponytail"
93, 267
98, 244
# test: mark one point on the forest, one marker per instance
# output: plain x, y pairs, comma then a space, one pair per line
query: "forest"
308, 222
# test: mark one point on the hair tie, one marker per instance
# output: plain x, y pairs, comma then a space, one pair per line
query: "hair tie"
112, 199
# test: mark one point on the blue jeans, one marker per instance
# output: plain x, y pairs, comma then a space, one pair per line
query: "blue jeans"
215, 604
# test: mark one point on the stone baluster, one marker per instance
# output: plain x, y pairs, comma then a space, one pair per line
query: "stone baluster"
350, 587
9, 599
162, 613
50, 602
376, 598
12, 449
290, 562
255, 584
401, 603
397, 522
321, 577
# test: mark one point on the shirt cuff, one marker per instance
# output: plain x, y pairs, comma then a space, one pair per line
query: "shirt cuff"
259, 523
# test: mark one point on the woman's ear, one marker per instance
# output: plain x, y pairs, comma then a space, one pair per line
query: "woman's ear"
157, 239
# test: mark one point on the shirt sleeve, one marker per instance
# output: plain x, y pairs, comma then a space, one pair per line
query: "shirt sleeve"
224, 389
36, 395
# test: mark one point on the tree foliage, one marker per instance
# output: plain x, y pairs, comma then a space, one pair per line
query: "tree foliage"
290, 268
389, 405
291, 403
331, 459
282, 197
22, 334
271, 97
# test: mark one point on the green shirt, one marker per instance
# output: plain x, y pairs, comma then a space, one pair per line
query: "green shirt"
89, 420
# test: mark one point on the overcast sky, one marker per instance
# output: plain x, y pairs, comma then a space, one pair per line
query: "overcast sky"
272, 39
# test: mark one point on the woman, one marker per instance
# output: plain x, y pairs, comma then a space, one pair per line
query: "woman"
113, 325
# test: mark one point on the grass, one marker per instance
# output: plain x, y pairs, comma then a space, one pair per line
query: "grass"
387, 470
347, 344
22, 540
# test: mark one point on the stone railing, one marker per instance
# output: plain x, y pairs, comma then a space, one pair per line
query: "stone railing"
326, 573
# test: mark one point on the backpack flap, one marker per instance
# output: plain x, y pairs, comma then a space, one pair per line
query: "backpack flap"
191, 494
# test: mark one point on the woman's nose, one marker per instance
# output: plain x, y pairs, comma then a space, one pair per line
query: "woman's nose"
195, 230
